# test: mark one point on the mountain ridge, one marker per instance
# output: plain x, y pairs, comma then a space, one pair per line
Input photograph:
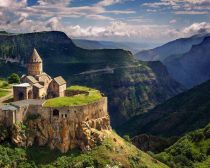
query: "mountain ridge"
132, 86
185, 112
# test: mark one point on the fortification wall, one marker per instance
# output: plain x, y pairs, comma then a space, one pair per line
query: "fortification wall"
74, 114
65, 128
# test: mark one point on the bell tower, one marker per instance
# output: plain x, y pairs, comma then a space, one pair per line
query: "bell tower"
35, 66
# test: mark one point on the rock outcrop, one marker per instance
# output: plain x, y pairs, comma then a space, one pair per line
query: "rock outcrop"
62, 135
152, 143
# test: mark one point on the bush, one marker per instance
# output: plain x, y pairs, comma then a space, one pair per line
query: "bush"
207, 131
14, 78
197, 136
127, 138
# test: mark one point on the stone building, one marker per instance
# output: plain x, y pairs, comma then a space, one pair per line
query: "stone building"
62, 127
36, 84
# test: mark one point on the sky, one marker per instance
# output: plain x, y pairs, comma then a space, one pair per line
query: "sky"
154, 21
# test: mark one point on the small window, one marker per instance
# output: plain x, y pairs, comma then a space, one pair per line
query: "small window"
55, 113
65, 115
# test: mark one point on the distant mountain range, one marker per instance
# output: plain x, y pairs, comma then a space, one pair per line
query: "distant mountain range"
183, 113
132, 86
187, 59
130, 46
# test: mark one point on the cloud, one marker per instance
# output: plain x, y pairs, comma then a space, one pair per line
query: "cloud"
197, 28
188, 7
172, 21
12, 3
108, 2
191, 12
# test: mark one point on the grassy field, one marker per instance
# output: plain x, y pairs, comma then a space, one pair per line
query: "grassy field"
80, 99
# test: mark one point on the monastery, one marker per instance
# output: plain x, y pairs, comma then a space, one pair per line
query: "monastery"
58, 126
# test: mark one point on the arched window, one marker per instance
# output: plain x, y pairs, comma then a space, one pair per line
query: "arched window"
55, 113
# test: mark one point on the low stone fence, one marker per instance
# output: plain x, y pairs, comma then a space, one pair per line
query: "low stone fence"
69, 93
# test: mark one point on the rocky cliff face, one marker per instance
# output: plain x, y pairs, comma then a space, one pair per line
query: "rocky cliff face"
152, 143
183, 113
63, 135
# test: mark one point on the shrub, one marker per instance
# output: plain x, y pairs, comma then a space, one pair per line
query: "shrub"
197, 136
207, 131
127, 138
14, 78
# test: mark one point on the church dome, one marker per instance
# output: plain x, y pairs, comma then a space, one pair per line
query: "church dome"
35, 57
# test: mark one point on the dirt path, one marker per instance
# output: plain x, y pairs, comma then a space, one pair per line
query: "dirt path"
2, 99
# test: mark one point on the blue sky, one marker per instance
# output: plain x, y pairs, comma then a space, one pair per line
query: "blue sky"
118, 20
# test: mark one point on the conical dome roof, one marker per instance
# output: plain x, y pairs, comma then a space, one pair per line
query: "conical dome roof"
35, 57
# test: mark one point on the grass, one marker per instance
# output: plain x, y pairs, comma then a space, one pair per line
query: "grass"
113, 152
80, 88
76, 100
3, 93
4, 84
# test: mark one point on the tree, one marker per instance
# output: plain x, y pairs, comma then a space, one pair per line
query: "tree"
14, 78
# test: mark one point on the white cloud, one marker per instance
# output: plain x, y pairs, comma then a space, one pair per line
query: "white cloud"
56, 2
196, 28
189, 7
12, 3
173, 21
191, 12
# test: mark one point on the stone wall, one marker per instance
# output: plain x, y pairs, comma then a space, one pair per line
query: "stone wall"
65, 128
22, 93
69, 93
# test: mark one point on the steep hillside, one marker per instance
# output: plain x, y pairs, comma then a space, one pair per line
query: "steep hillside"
114, 151
191, 68
131, 86
178, 46
192, 150
92, 44
187, 60
183, 113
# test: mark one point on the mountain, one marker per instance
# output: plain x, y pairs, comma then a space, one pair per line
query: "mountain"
192, 150
187, 60
191, 68
183, 113
92, 44
179, 46
132, 86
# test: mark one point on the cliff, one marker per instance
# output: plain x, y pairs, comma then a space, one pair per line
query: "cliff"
63, 135
112, 152
183, 113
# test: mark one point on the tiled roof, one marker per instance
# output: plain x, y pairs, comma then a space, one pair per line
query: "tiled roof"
8, 107
32, 79
28, 102
22, 85
35, 57
37, 85
59, 80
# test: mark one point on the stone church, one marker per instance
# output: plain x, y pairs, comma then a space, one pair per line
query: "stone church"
36, 84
